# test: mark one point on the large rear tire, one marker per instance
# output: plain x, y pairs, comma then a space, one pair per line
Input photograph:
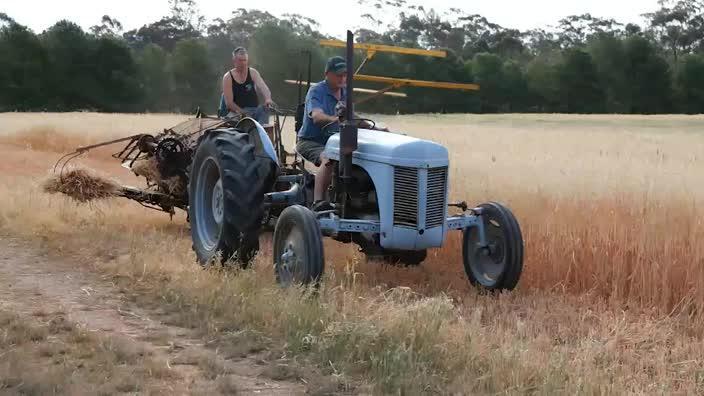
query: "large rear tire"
226, 190
298, 253
500, 266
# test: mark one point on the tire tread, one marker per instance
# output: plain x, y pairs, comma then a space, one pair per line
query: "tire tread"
245, 179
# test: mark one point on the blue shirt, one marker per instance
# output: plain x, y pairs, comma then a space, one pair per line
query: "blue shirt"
319, 96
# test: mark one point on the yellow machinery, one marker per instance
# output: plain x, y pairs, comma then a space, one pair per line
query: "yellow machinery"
391, 82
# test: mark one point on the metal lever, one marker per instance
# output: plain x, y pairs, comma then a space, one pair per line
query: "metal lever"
462, 205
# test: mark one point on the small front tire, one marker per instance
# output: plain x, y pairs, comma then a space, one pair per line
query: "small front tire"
499, 266
298, 248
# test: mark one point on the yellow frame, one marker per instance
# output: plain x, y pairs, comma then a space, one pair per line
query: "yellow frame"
385, 48
392, 82
399, 82
357, 89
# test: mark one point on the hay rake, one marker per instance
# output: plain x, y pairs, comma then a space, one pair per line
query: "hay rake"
167, 155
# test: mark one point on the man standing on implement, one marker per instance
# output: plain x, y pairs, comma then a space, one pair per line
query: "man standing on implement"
241, 88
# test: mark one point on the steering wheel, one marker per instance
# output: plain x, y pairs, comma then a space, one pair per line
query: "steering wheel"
367, 120
354, 119
324, 127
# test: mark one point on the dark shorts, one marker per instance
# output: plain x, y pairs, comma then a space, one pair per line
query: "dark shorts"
310, 150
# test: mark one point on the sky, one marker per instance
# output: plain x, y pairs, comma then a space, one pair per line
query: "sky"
334, 17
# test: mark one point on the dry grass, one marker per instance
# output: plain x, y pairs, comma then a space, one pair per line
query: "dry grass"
610, 301
58, 357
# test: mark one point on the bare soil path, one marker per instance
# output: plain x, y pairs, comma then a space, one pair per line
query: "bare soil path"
32, 281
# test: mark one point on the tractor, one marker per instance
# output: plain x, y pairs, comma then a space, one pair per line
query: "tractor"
389, 196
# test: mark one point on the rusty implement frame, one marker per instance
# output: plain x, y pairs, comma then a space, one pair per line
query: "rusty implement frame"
391, 82
136, 142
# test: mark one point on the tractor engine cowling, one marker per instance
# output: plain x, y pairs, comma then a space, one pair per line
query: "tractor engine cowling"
410, 176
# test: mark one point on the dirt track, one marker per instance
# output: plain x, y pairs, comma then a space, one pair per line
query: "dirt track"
31, 281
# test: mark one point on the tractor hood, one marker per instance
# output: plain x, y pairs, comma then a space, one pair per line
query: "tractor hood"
393, 149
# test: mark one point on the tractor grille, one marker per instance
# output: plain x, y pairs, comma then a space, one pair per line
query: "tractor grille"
435, 204
406, 196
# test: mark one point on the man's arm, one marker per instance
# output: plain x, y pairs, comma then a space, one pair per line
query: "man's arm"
319, 117
314, 107
227, 91
261, 86
367, 124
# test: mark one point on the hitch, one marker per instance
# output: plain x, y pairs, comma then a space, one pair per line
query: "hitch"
462, 205
292, 196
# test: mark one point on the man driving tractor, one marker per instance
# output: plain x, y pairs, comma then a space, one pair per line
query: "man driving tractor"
324, 109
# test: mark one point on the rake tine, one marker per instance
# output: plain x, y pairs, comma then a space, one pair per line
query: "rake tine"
61, 159
76, 155
129, 148
82, 150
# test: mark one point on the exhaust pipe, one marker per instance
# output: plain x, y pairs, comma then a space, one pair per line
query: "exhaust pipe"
348, 135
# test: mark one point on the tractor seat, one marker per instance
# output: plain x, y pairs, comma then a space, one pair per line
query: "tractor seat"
269, 129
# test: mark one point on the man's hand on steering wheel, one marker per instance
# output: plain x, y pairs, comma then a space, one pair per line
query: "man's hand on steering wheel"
331, 121
341, 111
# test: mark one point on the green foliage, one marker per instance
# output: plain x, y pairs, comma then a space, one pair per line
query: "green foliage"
286, 61
585, 65
648, 78
72, 83
489, 74
23, 68
116, 72
155, 78
690, 84
609, 58
543, 85
194, 78
580, 90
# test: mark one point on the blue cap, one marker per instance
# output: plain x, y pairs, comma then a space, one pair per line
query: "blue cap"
336, 64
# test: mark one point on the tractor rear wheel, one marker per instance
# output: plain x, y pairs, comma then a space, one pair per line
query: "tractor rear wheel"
226, 190
498, 266
298, 247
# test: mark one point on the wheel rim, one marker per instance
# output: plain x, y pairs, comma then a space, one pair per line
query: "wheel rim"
291, 257
488, 264
218, 203
209, 204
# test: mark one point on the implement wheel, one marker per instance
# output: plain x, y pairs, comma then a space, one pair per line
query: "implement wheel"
498, 266
226, 190
298, 248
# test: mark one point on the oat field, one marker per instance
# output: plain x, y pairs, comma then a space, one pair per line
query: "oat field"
610, 301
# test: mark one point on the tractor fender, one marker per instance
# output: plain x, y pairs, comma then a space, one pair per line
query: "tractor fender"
267, 147
264, 146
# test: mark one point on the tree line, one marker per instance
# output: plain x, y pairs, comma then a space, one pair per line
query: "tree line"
584, 64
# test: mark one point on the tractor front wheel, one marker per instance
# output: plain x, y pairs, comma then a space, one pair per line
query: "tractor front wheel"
497, 266
298, 248
226, 190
